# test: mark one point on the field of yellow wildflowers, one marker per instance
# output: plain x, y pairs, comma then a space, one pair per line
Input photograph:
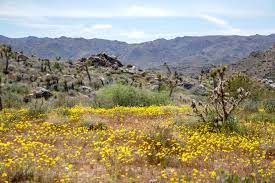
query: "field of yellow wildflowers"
122, 144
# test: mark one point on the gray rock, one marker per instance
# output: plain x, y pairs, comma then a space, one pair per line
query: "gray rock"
42, 93
187, 86
200, 90
85, 89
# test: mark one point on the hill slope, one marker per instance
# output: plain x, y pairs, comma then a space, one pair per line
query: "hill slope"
259, 64
181, 51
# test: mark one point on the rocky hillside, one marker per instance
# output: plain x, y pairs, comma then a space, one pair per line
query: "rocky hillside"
184, 52
259, 64
26, 78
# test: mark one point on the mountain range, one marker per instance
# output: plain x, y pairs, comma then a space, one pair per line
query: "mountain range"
181, 52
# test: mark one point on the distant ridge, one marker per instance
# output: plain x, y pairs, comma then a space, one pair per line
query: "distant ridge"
182, 52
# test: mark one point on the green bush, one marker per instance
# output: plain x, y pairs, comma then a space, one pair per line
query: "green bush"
243, 81
230, 125
12, 95
12, 100
269, 106
251, 105
123, 95
233, 125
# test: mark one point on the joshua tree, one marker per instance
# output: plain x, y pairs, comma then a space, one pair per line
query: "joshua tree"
48, 64
85, 64
168, 68
6, 52
160, 80
220, 101
42, 66
173, 79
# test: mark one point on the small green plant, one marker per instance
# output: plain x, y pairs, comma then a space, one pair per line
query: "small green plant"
269, 106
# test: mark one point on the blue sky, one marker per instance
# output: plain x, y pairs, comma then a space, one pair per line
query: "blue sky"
135, 21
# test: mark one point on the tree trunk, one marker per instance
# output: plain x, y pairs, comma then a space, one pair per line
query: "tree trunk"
87, 70
171, 91
225, 115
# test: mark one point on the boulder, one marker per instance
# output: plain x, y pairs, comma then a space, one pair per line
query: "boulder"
104, 60
28, 98
22, 57
187, 86
38, 93
42, 93
85, 89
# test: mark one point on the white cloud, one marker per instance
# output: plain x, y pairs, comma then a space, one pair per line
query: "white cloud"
220, 22
102, 26
214, 20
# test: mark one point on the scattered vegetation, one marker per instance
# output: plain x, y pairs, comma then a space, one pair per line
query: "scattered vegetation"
98, 121
123, 95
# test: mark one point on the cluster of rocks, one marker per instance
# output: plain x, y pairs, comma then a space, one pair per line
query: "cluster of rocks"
38, 93
104, 60
268, 82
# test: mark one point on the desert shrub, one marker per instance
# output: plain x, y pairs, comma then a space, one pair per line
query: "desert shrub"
232, 124
123, 95
12, 100
251, 105
17, 88
37, 109
13, 95
269, 106
159, 137
242, 81
63, 100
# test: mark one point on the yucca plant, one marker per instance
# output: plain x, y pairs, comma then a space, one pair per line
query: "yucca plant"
6, 52
221, 103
